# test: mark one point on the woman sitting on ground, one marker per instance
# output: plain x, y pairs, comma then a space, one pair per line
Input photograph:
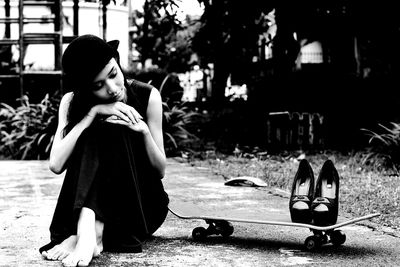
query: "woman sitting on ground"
109, 140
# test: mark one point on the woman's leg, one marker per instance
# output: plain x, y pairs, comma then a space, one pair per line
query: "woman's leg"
88, 240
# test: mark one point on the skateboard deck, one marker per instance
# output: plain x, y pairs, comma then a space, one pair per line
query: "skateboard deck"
219, 223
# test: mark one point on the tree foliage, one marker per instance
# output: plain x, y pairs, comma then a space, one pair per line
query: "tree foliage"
162, 37
228, 38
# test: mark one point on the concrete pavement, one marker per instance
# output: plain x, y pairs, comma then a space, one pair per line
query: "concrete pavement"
28, 193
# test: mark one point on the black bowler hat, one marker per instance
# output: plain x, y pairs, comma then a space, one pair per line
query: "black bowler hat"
85, 57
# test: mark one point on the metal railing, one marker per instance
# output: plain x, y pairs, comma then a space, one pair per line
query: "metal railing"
295, 130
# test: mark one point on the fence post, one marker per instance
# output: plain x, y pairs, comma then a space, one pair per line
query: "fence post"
278, 130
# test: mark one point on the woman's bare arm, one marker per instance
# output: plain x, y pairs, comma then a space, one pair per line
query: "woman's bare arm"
64, 145
153, 139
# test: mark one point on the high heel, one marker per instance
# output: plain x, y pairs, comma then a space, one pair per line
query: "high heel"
302, 193
325, 205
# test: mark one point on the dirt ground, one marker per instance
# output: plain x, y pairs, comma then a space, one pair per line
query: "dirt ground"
28, 193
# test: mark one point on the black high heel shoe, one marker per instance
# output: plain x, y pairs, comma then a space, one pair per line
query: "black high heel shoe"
302, 193
325, 205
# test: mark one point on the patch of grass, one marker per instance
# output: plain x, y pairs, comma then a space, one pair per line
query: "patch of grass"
363, 190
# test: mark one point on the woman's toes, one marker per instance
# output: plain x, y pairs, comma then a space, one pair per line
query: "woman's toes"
62, 256
49, 254
83, 263
45, 254
54, 256
53, 253
69, 262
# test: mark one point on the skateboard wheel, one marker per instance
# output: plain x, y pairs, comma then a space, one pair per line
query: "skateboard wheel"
227, 230
312, 243
338, 238
199, 233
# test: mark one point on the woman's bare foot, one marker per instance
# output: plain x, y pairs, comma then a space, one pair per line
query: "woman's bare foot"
88, 243
86, 248
61, 251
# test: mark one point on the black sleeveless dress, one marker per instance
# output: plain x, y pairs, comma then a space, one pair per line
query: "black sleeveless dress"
110, 173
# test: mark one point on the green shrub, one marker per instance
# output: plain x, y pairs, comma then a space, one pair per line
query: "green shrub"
27, 131
385, 150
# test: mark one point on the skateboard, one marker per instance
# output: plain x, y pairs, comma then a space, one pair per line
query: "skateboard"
221, 225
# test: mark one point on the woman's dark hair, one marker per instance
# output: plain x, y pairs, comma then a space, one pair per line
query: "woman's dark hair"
82, 60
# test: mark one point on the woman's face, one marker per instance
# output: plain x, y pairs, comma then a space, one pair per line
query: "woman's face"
108, 85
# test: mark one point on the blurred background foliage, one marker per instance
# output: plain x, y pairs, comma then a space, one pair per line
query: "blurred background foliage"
353, 88
27, 131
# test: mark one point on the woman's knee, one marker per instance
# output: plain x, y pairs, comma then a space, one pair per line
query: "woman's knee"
87, 213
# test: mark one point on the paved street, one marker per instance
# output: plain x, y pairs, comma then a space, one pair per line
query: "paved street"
28, 193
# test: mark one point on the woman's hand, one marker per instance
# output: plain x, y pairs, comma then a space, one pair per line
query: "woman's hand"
139, 126
119, 110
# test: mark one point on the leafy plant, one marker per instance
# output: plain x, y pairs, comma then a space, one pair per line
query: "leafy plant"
385, 151
27, 131
179, 123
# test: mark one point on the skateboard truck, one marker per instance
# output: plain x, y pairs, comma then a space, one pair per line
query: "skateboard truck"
215, 227
336, 237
